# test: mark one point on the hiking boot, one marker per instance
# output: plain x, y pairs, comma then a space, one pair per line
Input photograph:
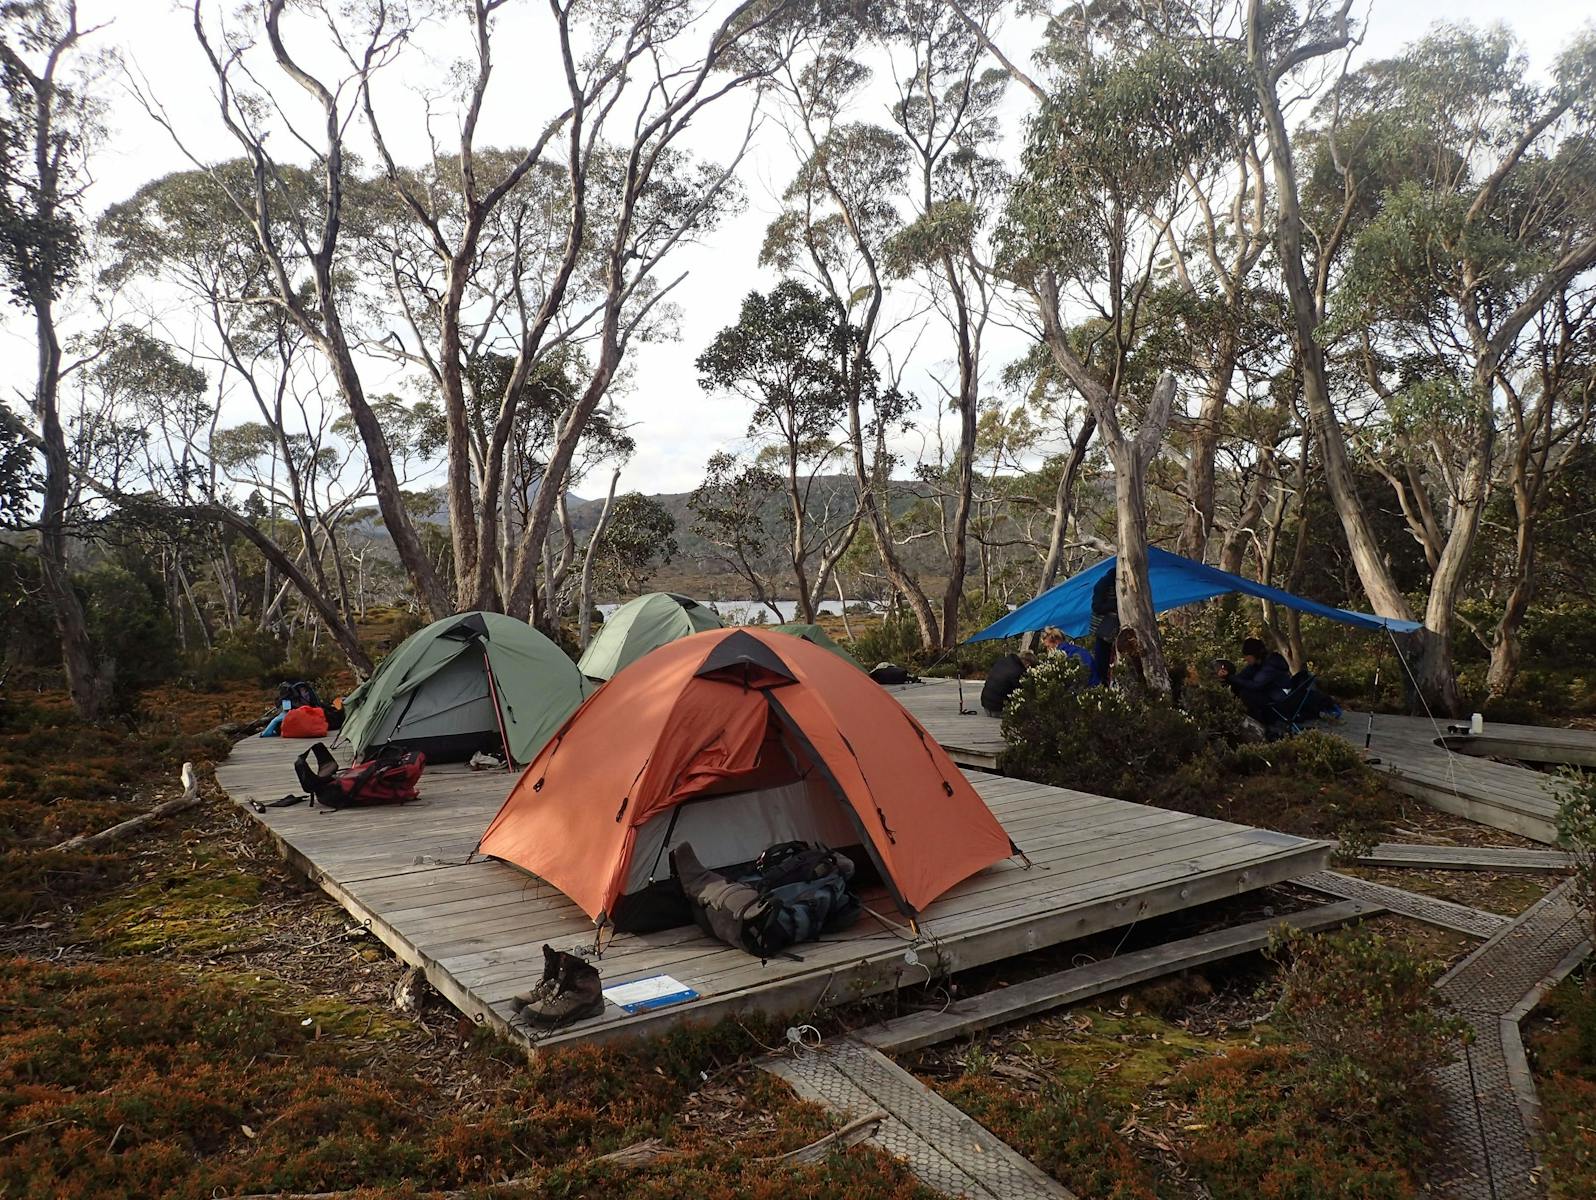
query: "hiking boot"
569, 991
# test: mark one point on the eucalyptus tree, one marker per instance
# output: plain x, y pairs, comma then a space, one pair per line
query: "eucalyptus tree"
784, 357
1549, 394
655, 196
299, 231
182, 233
1482, 220
732, 511
451, 202
947, 105
49, 120
1129, 115
633, 534
841, 210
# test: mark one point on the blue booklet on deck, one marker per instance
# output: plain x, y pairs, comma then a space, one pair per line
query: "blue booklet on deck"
654, 991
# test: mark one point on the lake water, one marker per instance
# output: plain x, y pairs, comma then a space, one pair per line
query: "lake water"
743, 612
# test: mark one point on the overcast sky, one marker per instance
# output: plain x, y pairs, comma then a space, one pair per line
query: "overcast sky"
676, 430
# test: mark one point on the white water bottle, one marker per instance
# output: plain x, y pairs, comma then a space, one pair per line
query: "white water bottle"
1477, 723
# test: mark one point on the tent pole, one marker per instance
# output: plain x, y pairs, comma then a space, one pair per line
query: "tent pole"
498, 713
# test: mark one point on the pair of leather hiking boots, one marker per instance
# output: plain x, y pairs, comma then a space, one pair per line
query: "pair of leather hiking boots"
569, 991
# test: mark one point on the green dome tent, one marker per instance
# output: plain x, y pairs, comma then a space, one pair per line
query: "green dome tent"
641, 625
817, 635
473, 681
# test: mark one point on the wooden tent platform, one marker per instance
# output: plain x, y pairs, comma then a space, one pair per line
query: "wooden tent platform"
1498, 794
1528, 743
476, 928
971, 738
1456, 777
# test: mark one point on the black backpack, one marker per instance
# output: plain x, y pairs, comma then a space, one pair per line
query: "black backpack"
890, 673
794, 893
298, 695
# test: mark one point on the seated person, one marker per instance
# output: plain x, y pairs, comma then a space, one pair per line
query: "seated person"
1002, 679
1264, 679
1053, 643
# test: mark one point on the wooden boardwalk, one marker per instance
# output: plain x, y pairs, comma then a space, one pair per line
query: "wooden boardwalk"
476, 928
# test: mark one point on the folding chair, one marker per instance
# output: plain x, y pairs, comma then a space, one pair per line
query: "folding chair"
1291, 712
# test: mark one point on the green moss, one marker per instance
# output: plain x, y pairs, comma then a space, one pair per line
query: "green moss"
194, 912
1122, 1056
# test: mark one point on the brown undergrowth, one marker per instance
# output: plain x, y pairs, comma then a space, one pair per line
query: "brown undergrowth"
141, 1080
1561, 1039
1180, 1089
198, 1021
61, 777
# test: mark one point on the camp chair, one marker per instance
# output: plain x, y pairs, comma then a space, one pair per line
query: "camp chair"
1294, 709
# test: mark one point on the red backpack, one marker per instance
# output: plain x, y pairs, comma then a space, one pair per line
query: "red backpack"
388, 778
306, 721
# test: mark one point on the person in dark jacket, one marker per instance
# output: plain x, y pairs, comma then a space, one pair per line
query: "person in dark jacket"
1002, 679
1263, 679
1105, 624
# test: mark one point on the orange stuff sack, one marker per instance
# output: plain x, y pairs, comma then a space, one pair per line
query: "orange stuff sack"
307, 721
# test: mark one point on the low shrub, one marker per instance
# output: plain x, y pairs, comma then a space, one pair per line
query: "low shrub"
1060, 731
1365, 1010
1561, 1039
1576, 833
894, 639
1194, 756
121, 1083
1071, 1134
1263, 1121
1312, 754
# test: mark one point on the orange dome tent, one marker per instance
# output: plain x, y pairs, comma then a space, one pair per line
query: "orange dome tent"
735, 739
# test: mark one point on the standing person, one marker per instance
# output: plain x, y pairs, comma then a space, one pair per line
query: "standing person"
1105, 624
1002, 679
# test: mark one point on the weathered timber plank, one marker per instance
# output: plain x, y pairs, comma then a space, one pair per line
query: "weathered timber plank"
1465, 858
1032, 996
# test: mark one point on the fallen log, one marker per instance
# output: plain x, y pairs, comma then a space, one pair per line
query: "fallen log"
91, 841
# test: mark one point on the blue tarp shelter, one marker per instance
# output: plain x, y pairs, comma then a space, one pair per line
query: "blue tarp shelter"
1175, 582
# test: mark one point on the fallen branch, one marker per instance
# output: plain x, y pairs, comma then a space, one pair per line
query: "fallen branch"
481, 1189
851, 1134
640, 1154
189, 798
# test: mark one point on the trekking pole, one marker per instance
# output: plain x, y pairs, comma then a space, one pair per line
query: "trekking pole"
1368, 733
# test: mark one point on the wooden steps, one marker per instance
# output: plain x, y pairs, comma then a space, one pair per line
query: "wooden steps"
1475, 922
1465, 858
1032, 996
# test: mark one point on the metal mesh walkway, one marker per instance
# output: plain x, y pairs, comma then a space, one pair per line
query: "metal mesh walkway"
1488, 1153
1473, 921
945, 1149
